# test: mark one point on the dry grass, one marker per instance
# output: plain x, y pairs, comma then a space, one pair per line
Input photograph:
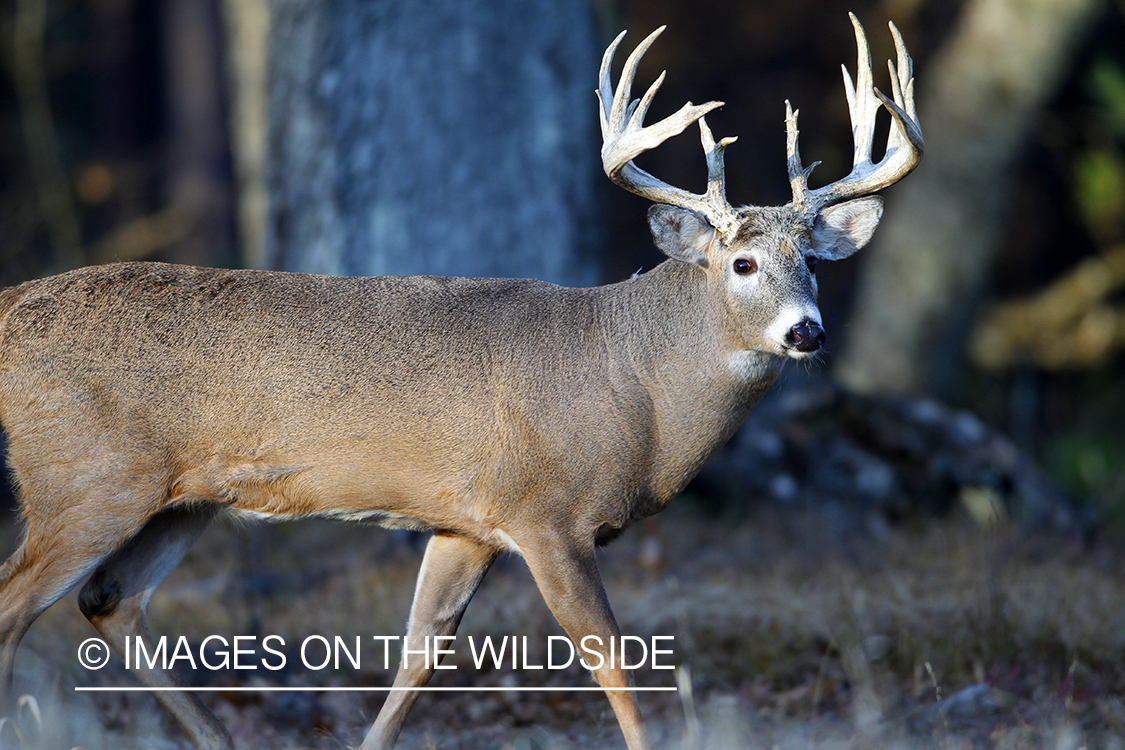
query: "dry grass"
796, 634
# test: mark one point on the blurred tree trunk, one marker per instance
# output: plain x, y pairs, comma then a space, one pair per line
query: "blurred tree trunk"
37, 123
248, 31
978, 101
452, 137
198, 193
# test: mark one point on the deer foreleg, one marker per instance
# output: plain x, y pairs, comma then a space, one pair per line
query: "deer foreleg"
567, 575
452, 569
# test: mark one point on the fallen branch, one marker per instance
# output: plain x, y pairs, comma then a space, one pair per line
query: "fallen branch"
1069, 324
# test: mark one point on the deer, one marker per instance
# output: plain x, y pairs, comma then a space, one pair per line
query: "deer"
142, 401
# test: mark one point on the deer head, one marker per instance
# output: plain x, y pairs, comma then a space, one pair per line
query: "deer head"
761, 260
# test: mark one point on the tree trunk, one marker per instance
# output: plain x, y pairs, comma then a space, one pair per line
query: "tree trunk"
451, 137
925, 270
247, 27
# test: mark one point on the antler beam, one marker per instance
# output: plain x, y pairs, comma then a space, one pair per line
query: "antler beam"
624, 137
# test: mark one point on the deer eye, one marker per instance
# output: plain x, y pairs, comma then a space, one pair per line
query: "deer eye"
745, 266
811, 263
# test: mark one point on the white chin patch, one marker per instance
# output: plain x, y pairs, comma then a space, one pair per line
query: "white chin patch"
795, 354
787, 317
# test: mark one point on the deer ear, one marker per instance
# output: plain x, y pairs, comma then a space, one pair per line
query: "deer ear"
680, 233
842, 229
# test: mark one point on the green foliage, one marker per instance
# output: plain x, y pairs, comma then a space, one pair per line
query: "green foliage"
1107, 84
1092, 464
1099, 170
1099, 190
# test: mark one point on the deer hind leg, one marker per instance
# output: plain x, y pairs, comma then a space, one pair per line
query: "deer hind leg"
59, 549
566, 573
116, 597
452, 569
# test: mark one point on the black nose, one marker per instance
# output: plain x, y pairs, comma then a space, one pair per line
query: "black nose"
806, 336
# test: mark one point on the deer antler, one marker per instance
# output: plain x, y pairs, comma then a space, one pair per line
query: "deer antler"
624, 137
904, 143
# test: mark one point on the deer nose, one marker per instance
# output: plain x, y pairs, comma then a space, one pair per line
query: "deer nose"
806, 336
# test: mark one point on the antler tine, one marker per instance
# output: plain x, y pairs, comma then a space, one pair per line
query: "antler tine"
905, 131
904, 143
716, 167
624, 137
863, 105
905, 70
793, 153
605, 85
625, 85
798, 174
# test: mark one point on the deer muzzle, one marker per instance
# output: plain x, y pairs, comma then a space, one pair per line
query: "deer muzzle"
807, 336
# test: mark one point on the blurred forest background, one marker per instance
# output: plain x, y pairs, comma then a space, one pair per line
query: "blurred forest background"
976, 349
460, 138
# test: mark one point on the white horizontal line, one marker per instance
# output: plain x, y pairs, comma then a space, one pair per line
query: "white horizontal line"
179, 689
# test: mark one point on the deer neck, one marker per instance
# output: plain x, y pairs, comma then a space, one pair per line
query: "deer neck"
699, 385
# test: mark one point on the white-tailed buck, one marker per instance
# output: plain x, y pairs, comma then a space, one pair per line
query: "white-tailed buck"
142, 401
